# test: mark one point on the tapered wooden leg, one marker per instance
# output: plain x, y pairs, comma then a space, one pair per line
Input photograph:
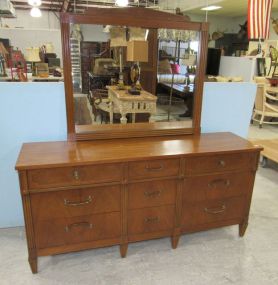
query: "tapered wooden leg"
33, 264
123, 249
243, 227
175, 241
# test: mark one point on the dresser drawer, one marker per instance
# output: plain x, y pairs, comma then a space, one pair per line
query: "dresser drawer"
218, 163
149, 194
151, 220
217, 186
58, 177
77, 202
153, 168
67, 231
213, 211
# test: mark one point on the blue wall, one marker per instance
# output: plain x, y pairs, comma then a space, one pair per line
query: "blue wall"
227, 107
29, 112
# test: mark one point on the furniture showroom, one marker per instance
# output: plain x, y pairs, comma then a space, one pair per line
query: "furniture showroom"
139, 142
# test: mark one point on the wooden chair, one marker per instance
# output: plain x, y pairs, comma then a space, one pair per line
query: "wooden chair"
100, 103
266, 106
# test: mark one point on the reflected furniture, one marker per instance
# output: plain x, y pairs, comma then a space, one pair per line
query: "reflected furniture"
116, 184
126, 103
183, 91
96, 81
99, 101
145, 19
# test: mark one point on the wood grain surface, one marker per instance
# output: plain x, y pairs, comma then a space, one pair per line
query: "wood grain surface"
66, 153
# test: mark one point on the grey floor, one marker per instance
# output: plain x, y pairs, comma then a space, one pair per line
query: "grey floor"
212, 257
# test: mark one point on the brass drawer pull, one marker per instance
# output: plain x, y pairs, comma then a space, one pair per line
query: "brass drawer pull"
221, 163
81, 224
152, 220
76, 174
152, 194
215, 210
149, 168
214, 183
75, 204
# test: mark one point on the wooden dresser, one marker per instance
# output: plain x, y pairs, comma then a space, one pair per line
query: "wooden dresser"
80, 195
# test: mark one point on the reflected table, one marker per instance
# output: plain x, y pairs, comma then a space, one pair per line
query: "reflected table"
124, 103
184, 91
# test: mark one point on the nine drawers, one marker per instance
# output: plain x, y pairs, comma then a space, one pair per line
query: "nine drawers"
80, 215
66, 231
60, 177
218, 163
151, 220
153, 168
217, 186
150, 194
213, 211
76, 202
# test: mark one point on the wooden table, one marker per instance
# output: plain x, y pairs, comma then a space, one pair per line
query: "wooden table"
183, 91
270, 150
126, 103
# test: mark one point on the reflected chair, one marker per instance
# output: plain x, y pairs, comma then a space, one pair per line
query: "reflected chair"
266, 106
100, 103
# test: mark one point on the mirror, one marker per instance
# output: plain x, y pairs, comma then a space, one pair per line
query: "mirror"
127, 80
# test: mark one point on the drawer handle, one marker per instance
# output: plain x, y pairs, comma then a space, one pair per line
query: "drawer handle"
221, 163
76, 174
152, 194
214, 183
81, 224
215, 210
149, 168
75, 204
152, 220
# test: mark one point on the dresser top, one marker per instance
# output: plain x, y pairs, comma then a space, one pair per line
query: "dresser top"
67, 153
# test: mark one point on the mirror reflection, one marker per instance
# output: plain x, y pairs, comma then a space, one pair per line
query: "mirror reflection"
125, 75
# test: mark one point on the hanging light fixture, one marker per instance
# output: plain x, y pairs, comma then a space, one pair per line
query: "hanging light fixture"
121, 3
35, 3
35, 12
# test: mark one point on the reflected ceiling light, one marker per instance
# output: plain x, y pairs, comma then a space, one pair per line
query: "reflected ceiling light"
35, 3
211, 8
36, 12
121, 3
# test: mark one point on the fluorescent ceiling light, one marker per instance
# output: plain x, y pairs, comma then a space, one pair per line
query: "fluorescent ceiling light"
211, 8
121, 3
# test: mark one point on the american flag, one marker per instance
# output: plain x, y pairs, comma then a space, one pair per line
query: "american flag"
259, 18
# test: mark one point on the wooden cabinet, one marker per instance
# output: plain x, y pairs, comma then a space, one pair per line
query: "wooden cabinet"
80, 195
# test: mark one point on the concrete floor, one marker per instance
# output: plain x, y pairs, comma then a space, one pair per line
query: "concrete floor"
212, 257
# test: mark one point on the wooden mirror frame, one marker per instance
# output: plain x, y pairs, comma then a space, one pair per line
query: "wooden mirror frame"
137, 17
